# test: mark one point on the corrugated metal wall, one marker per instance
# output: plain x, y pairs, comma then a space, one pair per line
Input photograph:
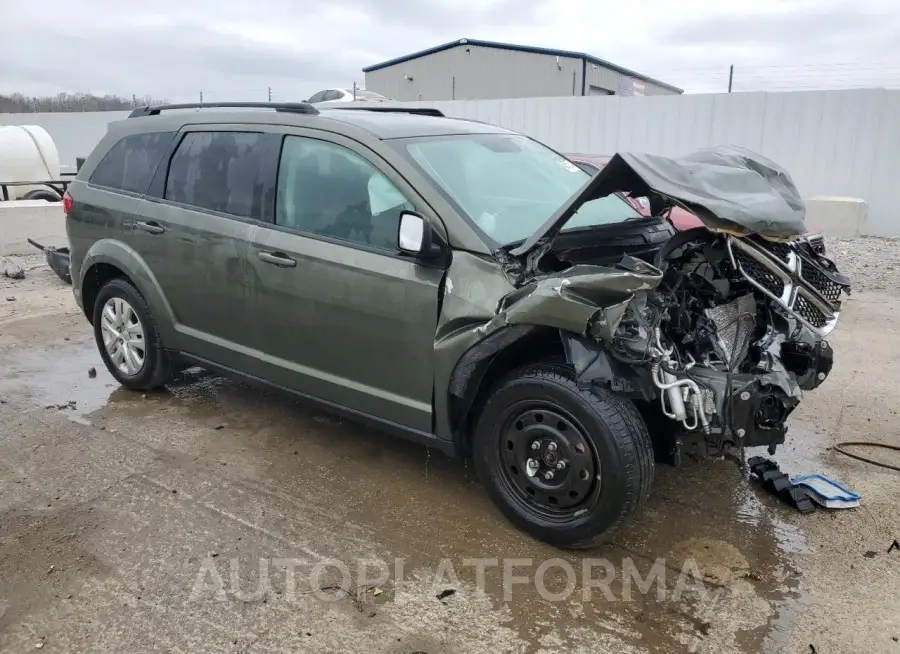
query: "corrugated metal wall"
844, 143
471, 72
839, 143
479, 73
602, 80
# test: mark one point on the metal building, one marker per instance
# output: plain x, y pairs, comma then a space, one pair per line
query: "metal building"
470, 69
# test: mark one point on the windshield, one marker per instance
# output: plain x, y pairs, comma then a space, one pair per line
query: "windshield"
510, 185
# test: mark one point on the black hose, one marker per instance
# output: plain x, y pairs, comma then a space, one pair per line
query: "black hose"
895, 448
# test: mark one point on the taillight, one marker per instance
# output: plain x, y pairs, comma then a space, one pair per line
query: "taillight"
67, 203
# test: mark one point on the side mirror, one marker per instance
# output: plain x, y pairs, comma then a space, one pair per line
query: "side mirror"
416, 237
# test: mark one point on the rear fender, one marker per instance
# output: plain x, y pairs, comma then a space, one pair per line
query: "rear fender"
118, 254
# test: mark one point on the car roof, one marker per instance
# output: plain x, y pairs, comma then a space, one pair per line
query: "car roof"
380, 123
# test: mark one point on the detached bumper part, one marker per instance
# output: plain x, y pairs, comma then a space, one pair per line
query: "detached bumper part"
57, 258
779, 484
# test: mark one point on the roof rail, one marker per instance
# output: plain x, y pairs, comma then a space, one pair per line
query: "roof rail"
419, 111
288, 107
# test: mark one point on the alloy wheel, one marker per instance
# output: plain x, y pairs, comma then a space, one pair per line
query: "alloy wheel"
123, 336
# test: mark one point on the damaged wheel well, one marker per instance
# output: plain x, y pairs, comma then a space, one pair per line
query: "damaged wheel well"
484, 364
96, 276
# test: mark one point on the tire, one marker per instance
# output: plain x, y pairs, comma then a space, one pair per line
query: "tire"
42, 194
156, 366
595, 431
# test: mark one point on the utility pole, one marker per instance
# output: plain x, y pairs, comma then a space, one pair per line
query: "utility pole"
270, 94
730, 76
354, 91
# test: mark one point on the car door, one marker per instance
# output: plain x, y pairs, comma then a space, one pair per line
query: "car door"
194, 230
341, 314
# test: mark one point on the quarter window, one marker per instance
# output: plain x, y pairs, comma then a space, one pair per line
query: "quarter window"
129, 165
218, 171
328, 190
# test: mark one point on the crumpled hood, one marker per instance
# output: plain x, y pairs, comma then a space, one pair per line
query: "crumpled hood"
729, 188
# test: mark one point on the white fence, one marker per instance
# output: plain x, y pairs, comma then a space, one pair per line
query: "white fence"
838, 143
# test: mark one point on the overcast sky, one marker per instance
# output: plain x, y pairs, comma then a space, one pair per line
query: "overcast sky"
236, 49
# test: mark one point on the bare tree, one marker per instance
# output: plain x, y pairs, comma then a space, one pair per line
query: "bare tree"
69, 102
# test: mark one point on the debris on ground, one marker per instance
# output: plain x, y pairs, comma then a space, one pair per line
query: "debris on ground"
444, 594
10, 298
10, 269
826, 492
779, 484
57, 258
92, 372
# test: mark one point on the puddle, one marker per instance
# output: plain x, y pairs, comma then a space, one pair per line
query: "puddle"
405, 502
58, 378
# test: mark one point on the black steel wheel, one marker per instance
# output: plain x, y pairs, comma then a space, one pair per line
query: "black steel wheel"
567, 465
550, 464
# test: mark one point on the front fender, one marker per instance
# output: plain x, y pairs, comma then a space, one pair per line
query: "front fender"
119, 255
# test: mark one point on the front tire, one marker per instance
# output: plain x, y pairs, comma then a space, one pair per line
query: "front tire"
127, 337
565, 464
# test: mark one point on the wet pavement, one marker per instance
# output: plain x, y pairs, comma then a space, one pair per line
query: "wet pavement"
146, 522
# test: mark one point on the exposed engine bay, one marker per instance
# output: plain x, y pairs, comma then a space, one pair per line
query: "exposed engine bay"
733, 334
720, 328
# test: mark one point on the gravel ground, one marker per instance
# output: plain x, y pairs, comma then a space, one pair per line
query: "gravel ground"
873, 264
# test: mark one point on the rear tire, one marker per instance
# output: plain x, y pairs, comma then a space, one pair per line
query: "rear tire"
127, 338
42, 194
537, 417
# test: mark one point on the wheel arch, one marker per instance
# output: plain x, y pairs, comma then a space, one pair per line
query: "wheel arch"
482, 365
108, 259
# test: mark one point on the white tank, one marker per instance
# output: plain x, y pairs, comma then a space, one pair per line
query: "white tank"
27, 153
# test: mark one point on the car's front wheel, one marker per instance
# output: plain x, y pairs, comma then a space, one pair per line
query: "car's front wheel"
566, 464
127, 337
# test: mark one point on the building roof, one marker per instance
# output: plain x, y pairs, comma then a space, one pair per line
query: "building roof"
521, 48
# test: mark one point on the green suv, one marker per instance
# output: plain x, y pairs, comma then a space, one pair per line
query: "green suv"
452, 282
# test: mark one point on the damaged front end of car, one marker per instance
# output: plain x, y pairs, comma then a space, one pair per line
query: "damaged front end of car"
723, 330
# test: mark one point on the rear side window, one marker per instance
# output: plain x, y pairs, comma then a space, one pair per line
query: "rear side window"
219, 171
130, 163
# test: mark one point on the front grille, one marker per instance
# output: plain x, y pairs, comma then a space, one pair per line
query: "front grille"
809, 312
791, 279
828, 289
759, 273
780, 250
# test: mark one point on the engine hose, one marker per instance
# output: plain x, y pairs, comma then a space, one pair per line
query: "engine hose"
838, 448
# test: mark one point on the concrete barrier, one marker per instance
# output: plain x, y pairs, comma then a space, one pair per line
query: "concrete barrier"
836, 216
39, 220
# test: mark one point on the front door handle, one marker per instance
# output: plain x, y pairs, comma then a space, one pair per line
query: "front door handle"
277, 259
152, 227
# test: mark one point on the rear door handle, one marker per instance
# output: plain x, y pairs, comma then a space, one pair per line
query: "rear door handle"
152, 226
277, 259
